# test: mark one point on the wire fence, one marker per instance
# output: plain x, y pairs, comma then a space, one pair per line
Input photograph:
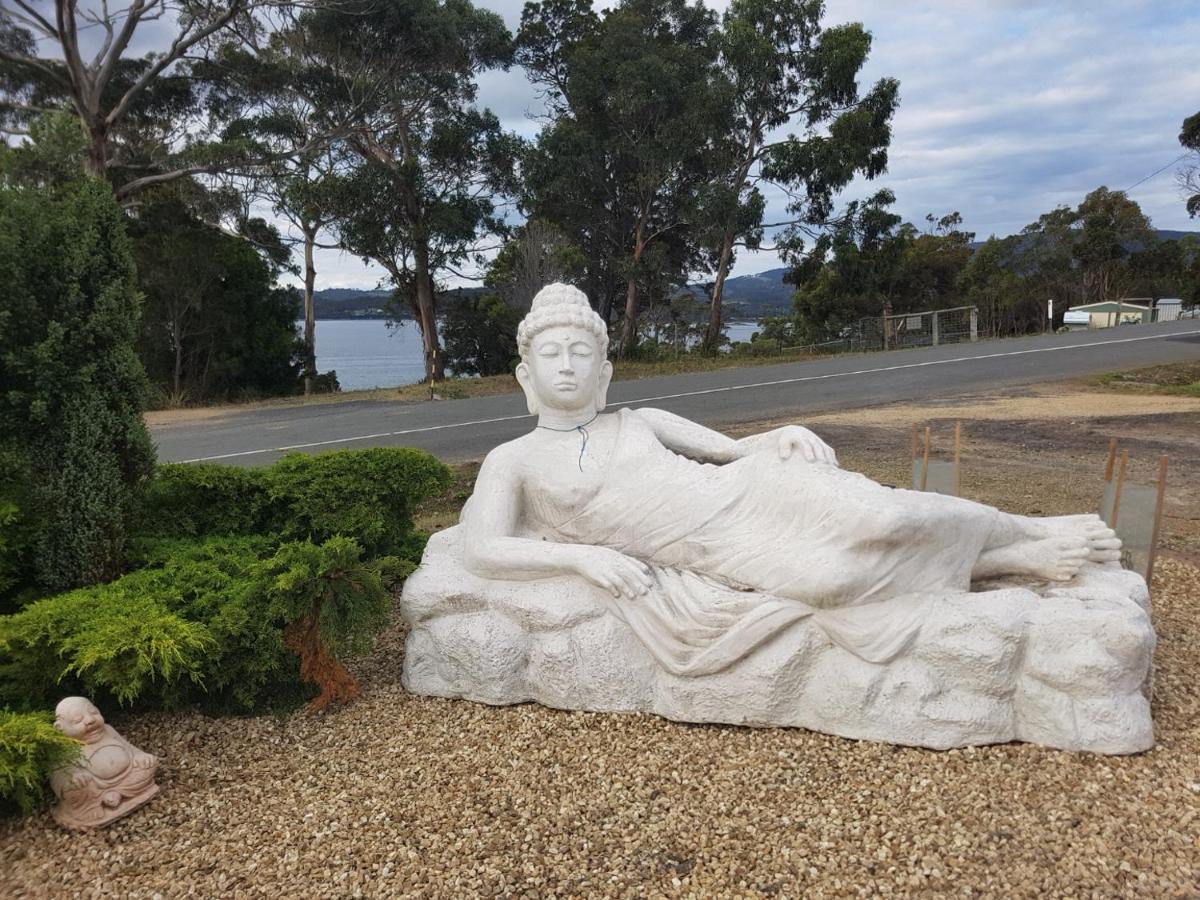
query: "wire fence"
930, 328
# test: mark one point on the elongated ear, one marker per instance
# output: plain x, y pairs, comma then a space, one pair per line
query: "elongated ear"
602, 382
526, 381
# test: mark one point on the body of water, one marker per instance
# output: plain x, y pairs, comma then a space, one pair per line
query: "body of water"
366, 353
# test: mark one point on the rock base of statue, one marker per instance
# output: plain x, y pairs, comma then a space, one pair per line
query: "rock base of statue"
1064, 666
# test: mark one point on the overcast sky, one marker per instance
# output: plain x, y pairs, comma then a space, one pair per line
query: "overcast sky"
1008, 108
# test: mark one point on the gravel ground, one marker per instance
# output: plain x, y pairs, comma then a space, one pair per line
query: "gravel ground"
397, 795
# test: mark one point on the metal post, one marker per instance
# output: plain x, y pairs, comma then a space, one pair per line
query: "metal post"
974, 324
936, 335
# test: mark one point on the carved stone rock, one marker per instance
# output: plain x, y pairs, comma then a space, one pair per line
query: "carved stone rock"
1062, 666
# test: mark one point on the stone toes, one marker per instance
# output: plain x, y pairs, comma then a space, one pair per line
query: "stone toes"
1105, 555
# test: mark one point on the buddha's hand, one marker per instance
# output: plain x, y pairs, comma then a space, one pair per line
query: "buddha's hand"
620, 575
792, 439
81, 778
144, 760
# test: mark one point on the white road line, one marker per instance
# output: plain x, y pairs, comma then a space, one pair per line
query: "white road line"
361, 437
718, 390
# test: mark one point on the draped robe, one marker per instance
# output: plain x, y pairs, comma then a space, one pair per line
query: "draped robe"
742, 550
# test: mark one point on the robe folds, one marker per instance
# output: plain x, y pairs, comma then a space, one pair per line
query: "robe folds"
741, 551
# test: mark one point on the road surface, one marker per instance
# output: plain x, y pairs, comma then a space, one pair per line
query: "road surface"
457, 430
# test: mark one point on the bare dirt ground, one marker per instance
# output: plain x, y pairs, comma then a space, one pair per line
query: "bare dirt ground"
399, 795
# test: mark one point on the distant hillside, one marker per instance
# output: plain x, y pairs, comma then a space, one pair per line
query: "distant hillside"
755, 296
749, 297
1164, 234
348, 303
746, 296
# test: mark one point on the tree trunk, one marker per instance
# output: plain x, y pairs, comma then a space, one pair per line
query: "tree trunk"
95, 163
629, 326
177, 374
435, 367
712, 337
310, 311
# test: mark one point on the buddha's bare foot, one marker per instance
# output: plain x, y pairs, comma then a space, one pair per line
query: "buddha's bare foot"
1054, 558
1103, 543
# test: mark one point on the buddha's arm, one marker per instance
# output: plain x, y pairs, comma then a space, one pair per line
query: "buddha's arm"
690, 439
694, 441
492, 551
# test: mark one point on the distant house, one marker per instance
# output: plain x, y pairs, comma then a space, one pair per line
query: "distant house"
1167, 309
1107, 313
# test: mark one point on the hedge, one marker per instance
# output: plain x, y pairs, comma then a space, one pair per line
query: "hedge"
221, 623
368, 495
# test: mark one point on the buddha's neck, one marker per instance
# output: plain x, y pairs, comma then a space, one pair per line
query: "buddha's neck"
565, 420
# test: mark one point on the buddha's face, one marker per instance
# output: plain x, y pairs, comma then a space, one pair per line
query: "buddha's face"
564, 371
79, 719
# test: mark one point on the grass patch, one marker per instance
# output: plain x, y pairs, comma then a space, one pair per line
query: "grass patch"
442, 510
630, 370
490, 386
1180, 379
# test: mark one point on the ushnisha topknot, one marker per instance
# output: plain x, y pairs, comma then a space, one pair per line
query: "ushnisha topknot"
558, 305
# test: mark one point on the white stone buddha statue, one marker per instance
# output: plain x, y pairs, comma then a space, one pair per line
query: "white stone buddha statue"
636, 561
112, 777
613, 496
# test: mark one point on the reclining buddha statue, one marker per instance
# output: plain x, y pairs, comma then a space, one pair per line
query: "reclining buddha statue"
706, 549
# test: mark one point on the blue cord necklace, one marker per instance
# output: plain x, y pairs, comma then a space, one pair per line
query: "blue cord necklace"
582, 429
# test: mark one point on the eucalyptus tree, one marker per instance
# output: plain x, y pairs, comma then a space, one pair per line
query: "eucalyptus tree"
788, 71
1082, 255
275, 100
1111, 227
535, 255
854, 270
420, 197
1189, 178
636, 104
143, 116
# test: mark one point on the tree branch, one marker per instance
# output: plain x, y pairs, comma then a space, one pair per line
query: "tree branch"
116, 46
36, 18
179, 46
46, 67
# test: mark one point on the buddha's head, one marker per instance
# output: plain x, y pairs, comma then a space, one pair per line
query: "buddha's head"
564, 353
76, 717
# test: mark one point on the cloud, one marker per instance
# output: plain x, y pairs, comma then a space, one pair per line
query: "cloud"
1008, 108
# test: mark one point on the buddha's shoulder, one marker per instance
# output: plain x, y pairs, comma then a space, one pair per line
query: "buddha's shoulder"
509, 458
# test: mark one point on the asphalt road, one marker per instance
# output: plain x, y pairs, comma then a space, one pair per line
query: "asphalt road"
467, 429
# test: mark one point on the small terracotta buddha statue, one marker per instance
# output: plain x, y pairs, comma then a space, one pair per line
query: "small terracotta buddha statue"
112, 777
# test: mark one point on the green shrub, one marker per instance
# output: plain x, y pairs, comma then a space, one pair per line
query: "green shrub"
30, 749
203, 623
117, 640
351, 600
20, 526
190, 499
71, 386
367, 495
